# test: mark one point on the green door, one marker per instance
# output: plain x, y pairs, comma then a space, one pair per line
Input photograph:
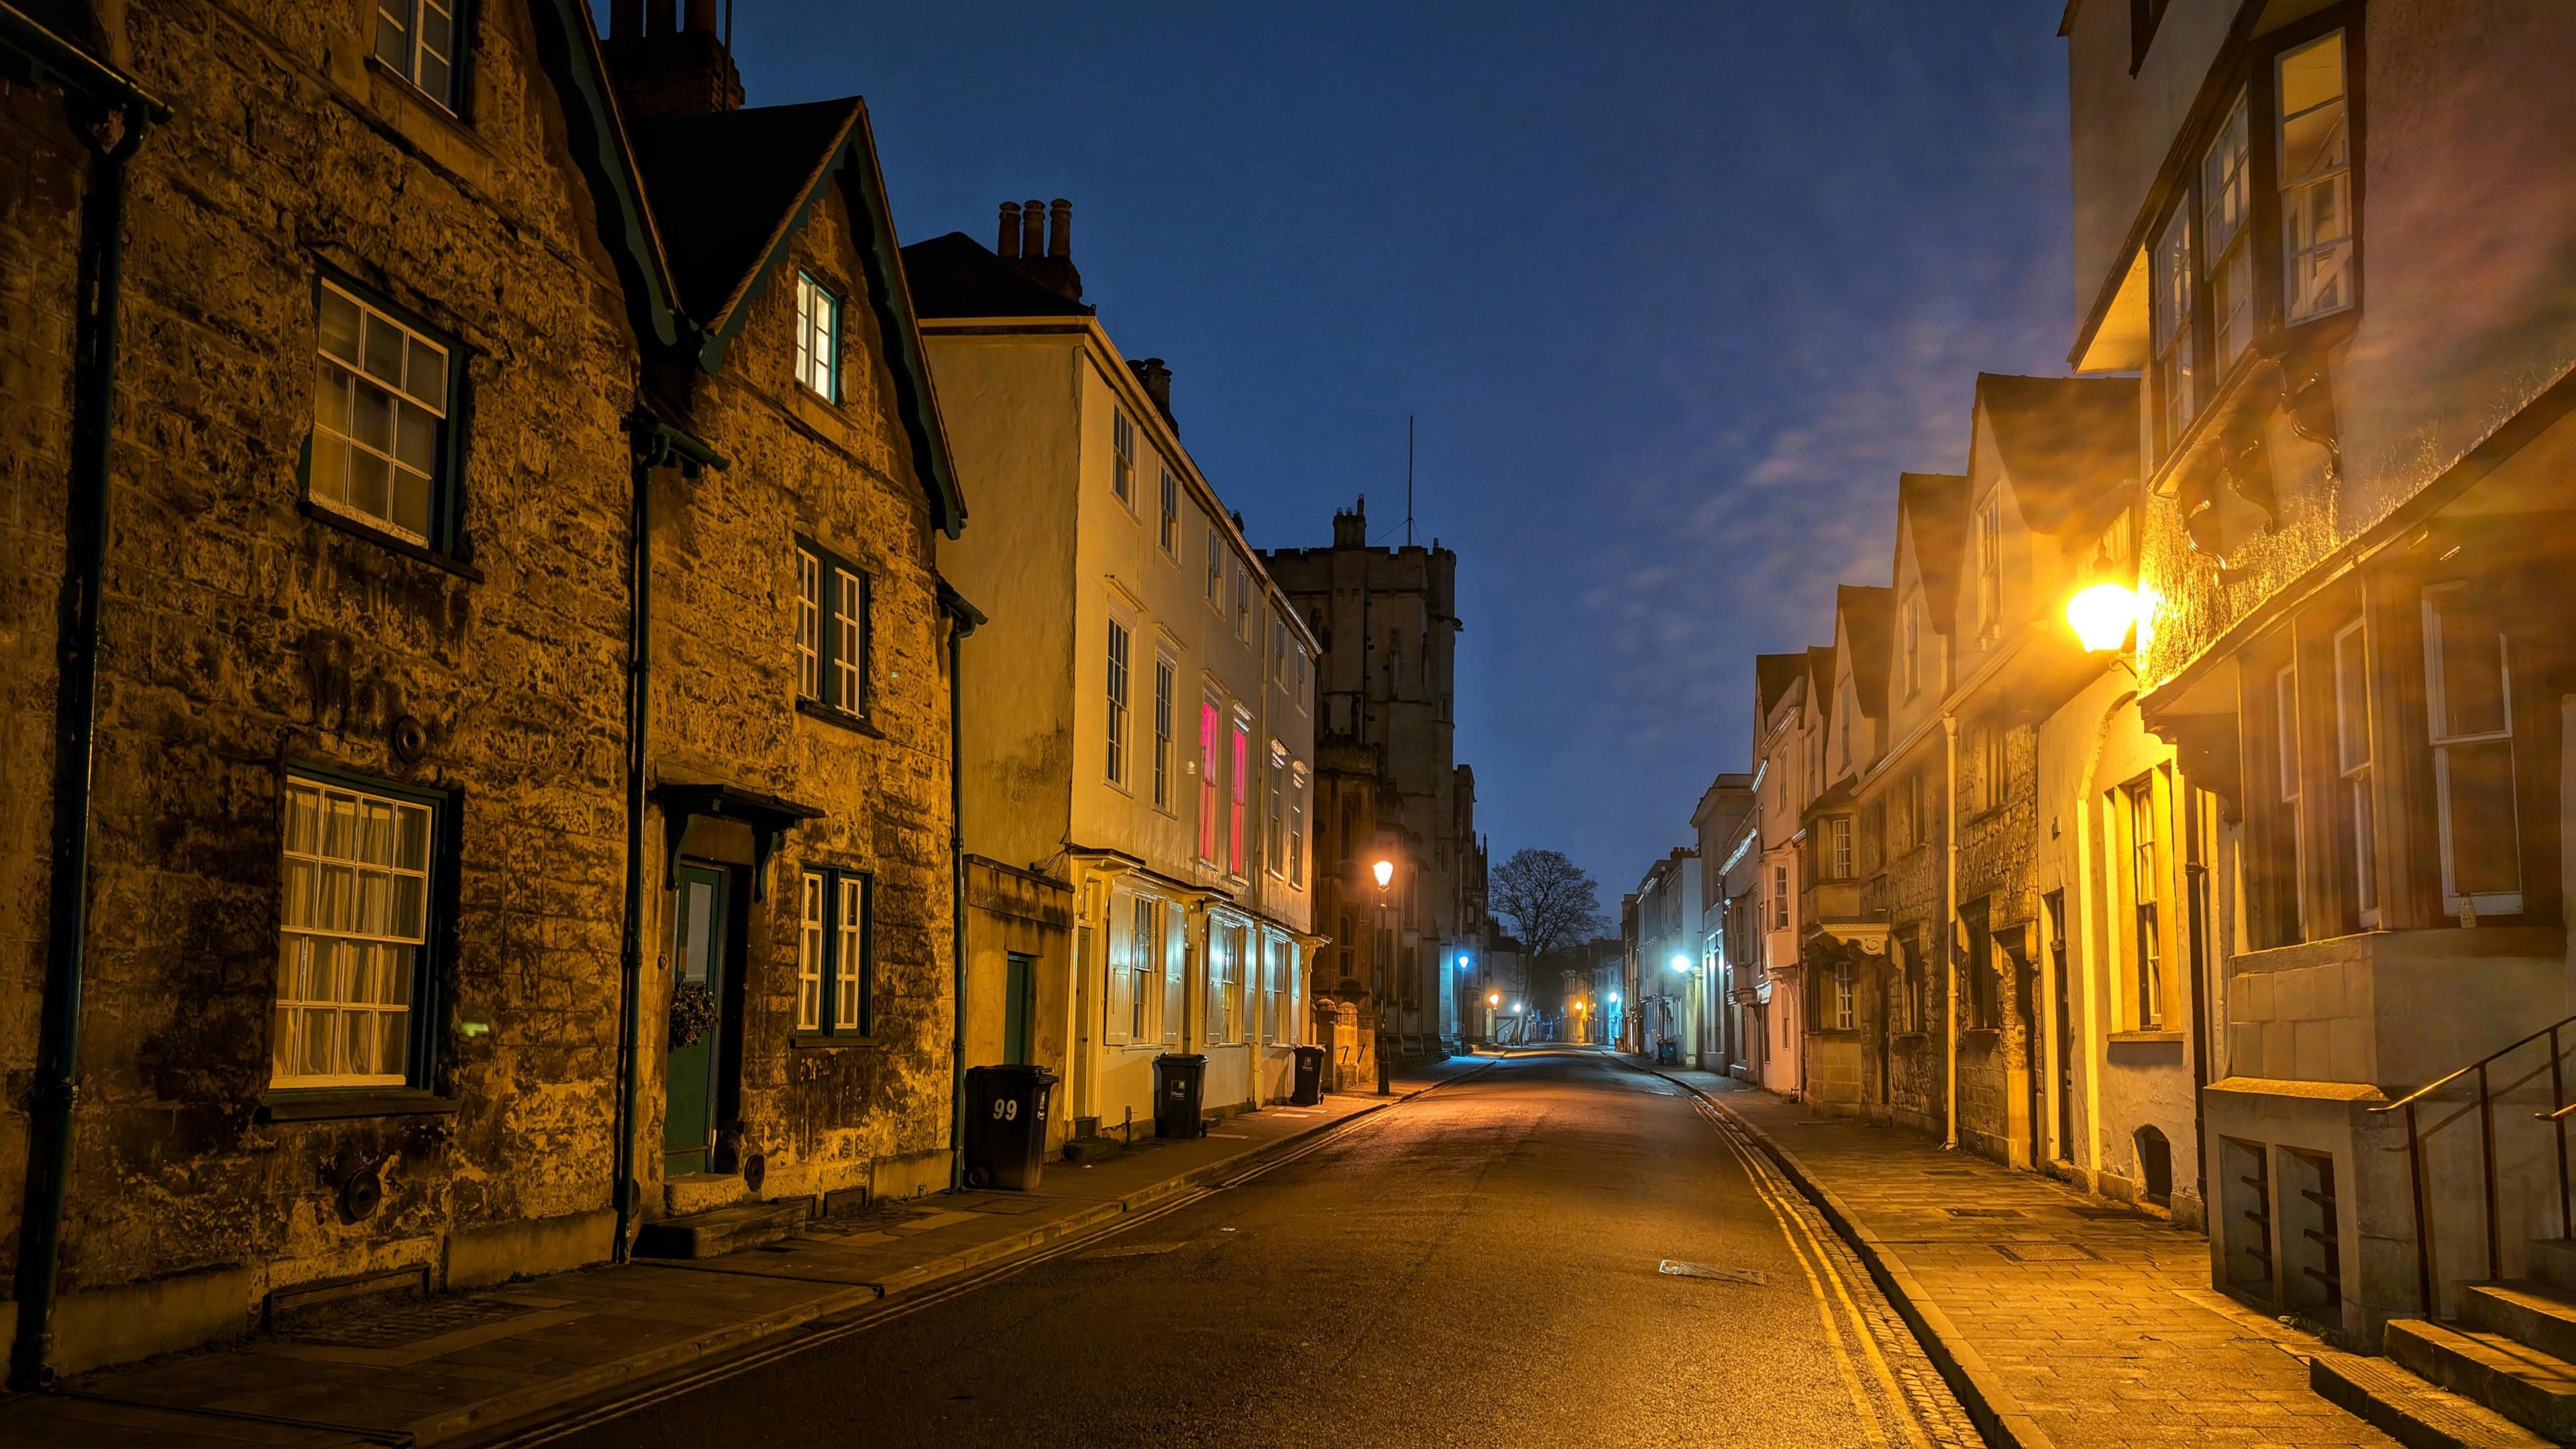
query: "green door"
1019, 1009
689, 1072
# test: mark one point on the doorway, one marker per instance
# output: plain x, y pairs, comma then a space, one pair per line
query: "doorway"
1019, 1009
702, 1007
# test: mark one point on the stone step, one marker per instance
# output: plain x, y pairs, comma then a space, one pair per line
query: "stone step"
2411, 1411
2553, 1261
2534, 1389
2532, 1314
725, 1229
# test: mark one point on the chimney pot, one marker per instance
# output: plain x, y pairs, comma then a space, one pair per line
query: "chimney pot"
661, 17
1033, 228
701, 17
1060, 229
1009, 246
667, 70
1156, 379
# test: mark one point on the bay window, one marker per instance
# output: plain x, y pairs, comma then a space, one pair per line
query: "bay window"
2227, 253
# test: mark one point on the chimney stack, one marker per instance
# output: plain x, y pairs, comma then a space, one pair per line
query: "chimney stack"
678, 65
1350, 525
1037, 243
1156, 379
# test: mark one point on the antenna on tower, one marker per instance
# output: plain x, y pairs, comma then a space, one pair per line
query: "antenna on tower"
1408, 480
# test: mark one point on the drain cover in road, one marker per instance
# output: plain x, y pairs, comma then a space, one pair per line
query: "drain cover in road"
1676, 1268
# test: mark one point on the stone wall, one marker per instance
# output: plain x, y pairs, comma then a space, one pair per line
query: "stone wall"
245, 634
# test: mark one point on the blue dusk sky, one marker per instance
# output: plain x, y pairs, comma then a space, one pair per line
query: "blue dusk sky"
1674, 291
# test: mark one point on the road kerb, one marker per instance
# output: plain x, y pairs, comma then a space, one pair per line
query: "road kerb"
1998, 1413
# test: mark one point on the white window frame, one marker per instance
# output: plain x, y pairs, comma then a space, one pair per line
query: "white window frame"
835, 951
1166, 681
2354, 758
1297, 823
818, 338
1779, 897
831, 631
1274, 833
389, 370
1121, 641
2146, 896
2285, 763
1122, 457
1838, 832
2444, 741
354, 926
2306, 259
404, 43
1168, 524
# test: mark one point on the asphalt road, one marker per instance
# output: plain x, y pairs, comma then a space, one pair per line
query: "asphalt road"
1477, 1266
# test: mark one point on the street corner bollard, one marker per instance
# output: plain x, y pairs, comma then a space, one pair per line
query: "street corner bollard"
1310, 1075
1178, 1078
1006, 1125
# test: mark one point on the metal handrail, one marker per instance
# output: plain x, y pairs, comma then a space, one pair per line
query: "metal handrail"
2557, 1117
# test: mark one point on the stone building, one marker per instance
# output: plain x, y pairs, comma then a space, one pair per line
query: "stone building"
383, 872
2341, 265
1725, 828
1782, 770
1387, 622
1672, 987
1152, 746
1843, 945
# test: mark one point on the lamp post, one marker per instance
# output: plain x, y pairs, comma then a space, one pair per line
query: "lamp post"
1384, 870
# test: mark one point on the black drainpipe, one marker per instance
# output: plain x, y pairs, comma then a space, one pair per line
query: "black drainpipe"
656, 443
56, 1084
963, 618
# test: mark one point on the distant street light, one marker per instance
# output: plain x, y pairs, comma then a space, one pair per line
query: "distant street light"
1681, 962
1385, 872
1614, 998
2102, 616
1494, 999
1462, 963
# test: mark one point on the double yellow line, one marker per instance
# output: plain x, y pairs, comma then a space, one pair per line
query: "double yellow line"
1830, 1288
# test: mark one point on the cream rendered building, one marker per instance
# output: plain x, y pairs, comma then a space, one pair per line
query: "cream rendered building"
1138, 717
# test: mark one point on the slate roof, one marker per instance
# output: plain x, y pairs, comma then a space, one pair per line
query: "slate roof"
958, 276
1772, 676
728, 188
1868, 615
1932, 511
2069, 444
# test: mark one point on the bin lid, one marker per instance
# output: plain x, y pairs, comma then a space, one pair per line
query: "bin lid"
1018, 1071
1186, 1059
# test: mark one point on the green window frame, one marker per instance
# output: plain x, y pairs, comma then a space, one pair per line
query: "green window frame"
818, 338
834, 632
836, 953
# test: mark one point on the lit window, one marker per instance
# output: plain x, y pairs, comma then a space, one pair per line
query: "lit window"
1242, 761
831, 632
818, 339
418, 39
1779, 898
1210, 745
381, 431
836, 954
353, 927
1841, 830
2315, 141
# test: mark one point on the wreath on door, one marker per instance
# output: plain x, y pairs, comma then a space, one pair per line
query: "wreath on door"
693, 1013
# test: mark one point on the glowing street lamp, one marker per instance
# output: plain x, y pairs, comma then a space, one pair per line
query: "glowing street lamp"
2102, 616
1681, 963
1384, 870
1462, 963
1494, 998
1614, 998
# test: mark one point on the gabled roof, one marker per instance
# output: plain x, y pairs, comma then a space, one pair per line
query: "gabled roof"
733, 189
2069, 444
1820, 681
1772, 676
1867, 615
1932, 512
958, 276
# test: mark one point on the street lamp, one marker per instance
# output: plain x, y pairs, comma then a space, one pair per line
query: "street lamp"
1494, 998
2102, 616
1384, 870
1681, 963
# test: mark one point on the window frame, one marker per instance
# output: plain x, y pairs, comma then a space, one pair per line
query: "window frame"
433, 956
443, 540
822, 611
460, 48
1211, 840
1168, 518
2356, 768
1167, 673
1122, 457
2441, 742
1216, 552
1297, 837
2149, 979
1990, 563
802, 364
836, 887
1117, 679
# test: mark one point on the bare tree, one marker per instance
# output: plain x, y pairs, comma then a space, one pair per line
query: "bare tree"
1550, 902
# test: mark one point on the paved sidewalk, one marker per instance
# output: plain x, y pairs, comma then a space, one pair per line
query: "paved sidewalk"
2082, 1324
460, 1366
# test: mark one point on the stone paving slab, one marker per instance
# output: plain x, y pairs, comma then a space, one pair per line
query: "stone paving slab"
2088, 1326
504, 1354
